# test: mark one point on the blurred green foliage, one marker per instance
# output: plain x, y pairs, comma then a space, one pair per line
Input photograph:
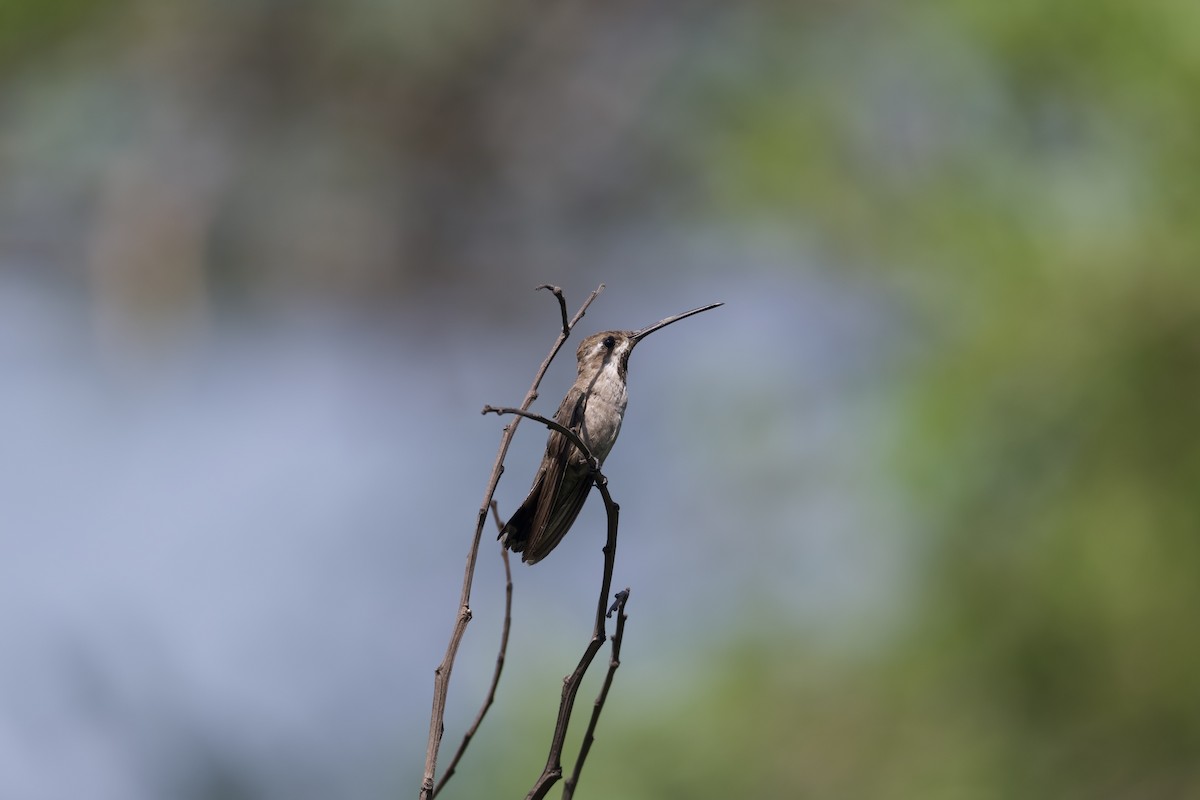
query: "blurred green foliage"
27, 27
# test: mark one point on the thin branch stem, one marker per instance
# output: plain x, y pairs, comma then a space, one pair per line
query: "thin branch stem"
441, 680
491, 694
553, 769
562, 304
571, 435
613, 663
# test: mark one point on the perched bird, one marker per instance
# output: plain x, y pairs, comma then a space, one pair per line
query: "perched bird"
593, 410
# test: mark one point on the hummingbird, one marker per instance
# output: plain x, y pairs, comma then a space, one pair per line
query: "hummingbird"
593, 409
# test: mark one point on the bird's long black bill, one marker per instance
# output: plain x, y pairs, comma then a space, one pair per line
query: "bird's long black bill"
644, 332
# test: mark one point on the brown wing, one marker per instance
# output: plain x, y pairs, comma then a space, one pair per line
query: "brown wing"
577, 484
565, 481
529, 520
515, 533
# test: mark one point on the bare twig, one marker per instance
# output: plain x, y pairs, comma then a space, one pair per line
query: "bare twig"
589, 736
491, 694
562, 304
571, 435
553, 769
441, 680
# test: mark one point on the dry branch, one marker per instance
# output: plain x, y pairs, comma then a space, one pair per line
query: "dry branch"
614, 662
553, 769
500, 656
441, 682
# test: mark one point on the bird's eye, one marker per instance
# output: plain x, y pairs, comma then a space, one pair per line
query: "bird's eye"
610, 342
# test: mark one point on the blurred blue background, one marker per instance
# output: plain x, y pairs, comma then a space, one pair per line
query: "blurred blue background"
914, 515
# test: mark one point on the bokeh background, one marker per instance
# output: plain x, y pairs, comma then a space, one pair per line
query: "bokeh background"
916, 515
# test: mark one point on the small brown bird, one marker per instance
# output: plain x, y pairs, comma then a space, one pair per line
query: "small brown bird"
593, 409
